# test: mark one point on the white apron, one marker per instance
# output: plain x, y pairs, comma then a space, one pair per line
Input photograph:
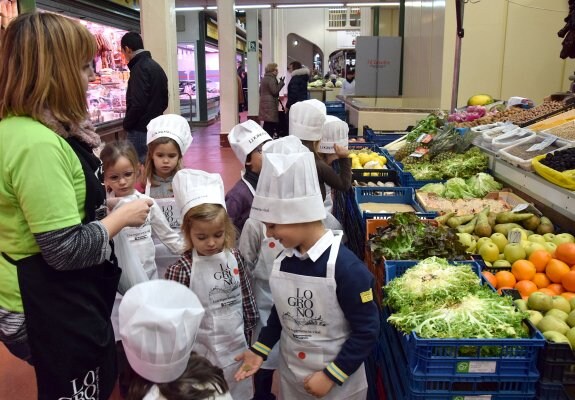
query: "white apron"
270, 248
216, 281
314, 329
164, 256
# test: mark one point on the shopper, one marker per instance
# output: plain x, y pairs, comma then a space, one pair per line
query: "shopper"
241, 99
168, 138
259, 252
120, 163
348, 87
297, 86
269, 99
323, 295
214, 270
57, 286
246, 140
147, 93
159, 321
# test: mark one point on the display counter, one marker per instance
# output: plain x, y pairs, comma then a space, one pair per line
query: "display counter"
381, 114
111, 130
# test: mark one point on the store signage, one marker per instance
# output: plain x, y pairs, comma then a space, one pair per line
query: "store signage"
240, 45
211, 30
253, 46
346, 39
377, 66
135, 4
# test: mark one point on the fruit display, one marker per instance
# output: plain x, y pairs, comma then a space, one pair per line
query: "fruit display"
480, 100
544, 109
562, 160
366, 159
522, 154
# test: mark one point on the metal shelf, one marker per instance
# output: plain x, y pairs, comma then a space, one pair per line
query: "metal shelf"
557, 198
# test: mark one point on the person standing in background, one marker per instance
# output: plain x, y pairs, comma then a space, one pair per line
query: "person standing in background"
269, 98
348, 88
297, 86
241, 99
147, 92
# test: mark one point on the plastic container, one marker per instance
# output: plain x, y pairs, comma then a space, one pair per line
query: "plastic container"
337, 109
381, 137
526, 161
557, 363
516, 136
489, 134
564, 179
374, 176
554, 391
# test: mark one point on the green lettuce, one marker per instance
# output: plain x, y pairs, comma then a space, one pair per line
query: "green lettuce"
456, 188
482, 183
437, 188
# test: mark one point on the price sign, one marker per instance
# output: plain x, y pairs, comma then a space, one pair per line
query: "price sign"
514, 237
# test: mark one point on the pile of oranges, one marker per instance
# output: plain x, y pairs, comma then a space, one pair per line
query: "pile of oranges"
542, 272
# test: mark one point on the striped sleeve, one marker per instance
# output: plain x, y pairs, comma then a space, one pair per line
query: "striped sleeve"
336, 374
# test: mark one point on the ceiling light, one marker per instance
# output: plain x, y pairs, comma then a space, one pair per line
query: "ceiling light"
309, 5
189, 8
394, 4
253, 6
212, 8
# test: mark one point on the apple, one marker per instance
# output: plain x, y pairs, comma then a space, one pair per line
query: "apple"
556, 337
532, 247
489, 251
514, 252
572, 304
534, 316
536, 238
482, 241
549, 237
563, 238
540, 301
571, 319
550, 247
525, 244
550, 323
561, 303
500, 240
570, 335
520, 230
501, 263
555, 312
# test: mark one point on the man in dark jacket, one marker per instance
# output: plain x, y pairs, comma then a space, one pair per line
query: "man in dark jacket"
297, 86
147, 93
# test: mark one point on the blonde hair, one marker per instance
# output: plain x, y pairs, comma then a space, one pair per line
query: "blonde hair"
208, 212
113, 151
41, 63
150, 168
271, 67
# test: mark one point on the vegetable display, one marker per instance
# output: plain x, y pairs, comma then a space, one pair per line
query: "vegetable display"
406, 237
438, 300
462, 165
476, 186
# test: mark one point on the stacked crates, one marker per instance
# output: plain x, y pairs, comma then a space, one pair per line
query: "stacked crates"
557, 369
447, 369
337, 109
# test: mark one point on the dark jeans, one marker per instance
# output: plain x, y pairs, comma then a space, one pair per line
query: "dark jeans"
263, 380
138, 139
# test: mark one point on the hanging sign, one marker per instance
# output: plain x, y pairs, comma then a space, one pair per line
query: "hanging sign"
252, 46
134, 4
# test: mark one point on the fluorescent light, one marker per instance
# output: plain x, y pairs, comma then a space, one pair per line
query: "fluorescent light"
189, 8
309, 5
395, 4
253, 6
212, 8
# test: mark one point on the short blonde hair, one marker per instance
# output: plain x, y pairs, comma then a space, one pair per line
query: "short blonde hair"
271, 67
41, 67
209, 212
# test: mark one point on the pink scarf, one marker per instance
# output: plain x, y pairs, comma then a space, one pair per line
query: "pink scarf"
84, 131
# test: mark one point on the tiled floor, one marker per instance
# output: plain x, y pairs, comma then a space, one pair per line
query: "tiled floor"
17, 379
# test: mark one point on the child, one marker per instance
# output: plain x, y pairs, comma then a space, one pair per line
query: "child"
323, 294
169, 137
246, 140
158, 323
215, 271
120, 163
332, 147
259, 252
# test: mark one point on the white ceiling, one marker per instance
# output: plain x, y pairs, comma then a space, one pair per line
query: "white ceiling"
209, 3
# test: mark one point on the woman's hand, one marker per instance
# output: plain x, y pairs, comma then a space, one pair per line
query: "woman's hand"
135, 212
318, 384
252, 363
341, 151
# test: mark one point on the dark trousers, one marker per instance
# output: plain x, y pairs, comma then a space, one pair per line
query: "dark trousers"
271, 128
138, 139
263, 384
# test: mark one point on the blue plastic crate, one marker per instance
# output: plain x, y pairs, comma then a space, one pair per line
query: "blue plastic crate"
374, 175
381, 137
554, 391
395, 195
334, 106
364, 145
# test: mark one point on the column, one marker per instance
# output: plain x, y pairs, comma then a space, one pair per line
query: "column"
228, 72
158, 24
252, 38
267, 37
366, 28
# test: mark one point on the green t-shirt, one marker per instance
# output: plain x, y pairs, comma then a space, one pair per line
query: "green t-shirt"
42, 188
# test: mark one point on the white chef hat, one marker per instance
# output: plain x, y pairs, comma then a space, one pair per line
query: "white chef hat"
193, 187
245, 138
306, 119
288, 189
159, 320
171, 126
335, 131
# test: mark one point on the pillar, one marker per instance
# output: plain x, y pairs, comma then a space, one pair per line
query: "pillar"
228, 71
158, 24
252, 67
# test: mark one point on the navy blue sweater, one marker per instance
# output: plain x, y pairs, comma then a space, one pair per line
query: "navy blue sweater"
352, 278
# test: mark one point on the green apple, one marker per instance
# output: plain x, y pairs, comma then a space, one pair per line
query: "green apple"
550, 323
561, 303
555, 312
563, 238
500, 240
549, 237
536, 238
550, 247
532, 247
481, 241
570, 335
525, 244
556, 337
520, 230
501, 263
571, 319
502, 257
540, 301
534, 316
489, 251
572, 304
514, 252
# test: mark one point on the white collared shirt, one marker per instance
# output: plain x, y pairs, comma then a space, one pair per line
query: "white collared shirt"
316, 250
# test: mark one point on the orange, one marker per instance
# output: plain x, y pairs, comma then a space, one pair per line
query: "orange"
525, 287
503, 288
556, 269
568, 295
541, 280
556, 287
505, 279
523, 270
568, 281
566, 253
490, 278
547, 291
540, 258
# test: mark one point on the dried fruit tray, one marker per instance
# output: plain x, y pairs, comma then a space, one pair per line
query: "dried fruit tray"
526, 161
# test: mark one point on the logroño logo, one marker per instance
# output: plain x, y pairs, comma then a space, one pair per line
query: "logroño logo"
87, 389
225, 274
303, 303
